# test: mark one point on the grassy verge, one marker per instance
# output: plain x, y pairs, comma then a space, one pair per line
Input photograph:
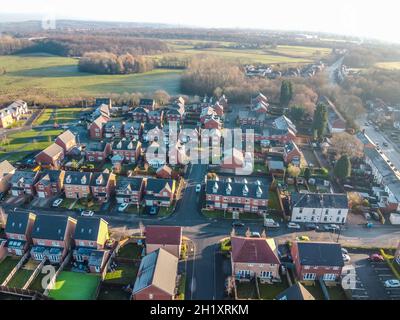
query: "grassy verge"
124, 274
182, 287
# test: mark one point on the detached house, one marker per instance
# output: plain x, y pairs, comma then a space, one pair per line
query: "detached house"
255, 258
96, 128
168, 238
315, 260
102, 186
77, 184
292, 153
90, 237
18, 231
259, 98
156, 278
6, 172
51, 157
23, 183
113, 129
50, 184
319, 208
51, 236
129, 190
140, 114
128, 149
237, 196
98, 151
159, 192
67, 141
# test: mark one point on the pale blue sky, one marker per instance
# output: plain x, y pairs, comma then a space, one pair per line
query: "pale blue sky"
371, 18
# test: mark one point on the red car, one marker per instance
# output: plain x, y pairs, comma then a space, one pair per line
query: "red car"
376, 258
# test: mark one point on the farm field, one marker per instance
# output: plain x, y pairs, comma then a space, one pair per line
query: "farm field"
58, 115
51, 76
393, 65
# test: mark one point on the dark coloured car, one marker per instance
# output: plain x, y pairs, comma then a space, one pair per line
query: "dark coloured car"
2, 196
238, 224
154, 211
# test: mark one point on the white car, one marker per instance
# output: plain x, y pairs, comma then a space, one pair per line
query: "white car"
344, 251
255, 235
346, 257
198, 187
87, 213
57, 202
293, 225
392, 283
122, 207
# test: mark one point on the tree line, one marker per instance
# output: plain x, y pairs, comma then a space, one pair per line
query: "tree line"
110, 63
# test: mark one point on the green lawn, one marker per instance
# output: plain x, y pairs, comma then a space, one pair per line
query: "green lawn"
246, 290
75, 286
28, 76
270, 291
6, 266
20, 278
112, 293
36, 284
130, 251
124, 274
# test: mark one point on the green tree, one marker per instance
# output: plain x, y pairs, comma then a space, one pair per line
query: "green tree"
297, 113
293, 171
286, 93
320, 121
342, 167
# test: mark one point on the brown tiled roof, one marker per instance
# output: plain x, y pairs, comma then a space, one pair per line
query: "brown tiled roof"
53, 150
66, 136
163, 235
253, 250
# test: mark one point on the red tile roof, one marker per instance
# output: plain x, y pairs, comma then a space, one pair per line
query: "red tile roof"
252, 250
163, 235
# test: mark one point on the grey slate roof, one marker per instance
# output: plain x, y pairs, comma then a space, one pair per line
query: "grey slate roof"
131, 183
320, 254
50, 227
156, 185
100, 179
87, 228
159, 269
28, 176
237, 189
77, 178
17, 222
320, 200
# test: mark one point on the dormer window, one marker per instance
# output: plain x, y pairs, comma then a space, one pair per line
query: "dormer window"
130, 146
83, 180
215, 187
259, 192
245, 190
99, 179
68, 179
228, 189
119, 145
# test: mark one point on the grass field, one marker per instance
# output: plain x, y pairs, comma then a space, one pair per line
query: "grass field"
58, 115
75, 286
394, 65
34, 139
6, 266
29, 75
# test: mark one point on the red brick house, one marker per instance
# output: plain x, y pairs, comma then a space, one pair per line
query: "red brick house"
212, 122
77, 184
156, 278
315, 260
156, 116
260, 107
66, 140
18, 232
255, 258
129, 190
50, 183
23, 183
259, 98
237, 196
173, 114
168, 238
207, 112
52, 236
159, 192
292, 153
164, 172
219, 109
247, 117
102, 186
6, 172
98, 151
129, 150
51, 157
113, 129
133, 130
140, 114
90, 237
96, 128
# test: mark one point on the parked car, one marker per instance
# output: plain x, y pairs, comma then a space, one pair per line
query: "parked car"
376, 258
237, 224
57, 202
122, 207
312, 226
385, 144
255, 235
331, 228
375, 215
271, 223
292, 225
346, 258
392, 283
303, 238
344, 251
87, 213
198, 187
153, 211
